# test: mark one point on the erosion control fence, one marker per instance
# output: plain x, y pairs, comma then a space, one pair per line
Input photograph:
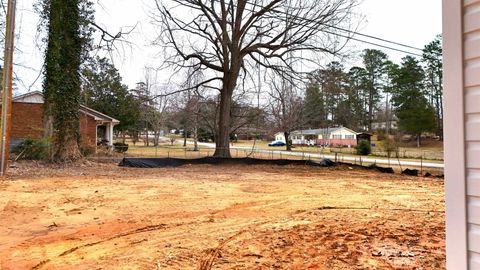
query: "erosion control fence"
174, 162
188, 152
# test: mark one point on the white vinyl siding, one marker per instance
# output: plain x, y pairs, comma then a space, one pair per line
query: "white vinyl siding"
471, 51
456, 105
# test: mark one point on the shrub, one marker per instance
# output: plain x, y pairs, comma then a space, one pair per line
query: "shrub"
172, 138
87, 149
389, 146
381, 135
363, 148
33, 149
120, 147
204, 135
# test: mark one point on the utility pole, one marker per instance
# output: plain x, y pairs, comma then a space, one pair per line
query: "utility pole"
7, 87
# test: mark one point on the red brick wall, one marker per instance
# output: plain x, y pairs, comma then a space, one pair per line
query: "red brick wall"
337, 142
27, 121
88, 130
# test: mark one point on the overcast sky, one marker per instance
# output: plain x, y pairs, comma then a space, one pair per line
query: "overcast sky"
411, 22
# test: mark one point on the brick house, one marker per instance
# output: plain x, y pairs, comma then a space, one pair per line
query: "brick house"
334, 136
27, 121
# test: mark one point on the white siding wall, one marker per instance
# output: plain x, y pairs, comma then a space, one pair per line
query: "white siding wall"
462, 132
34, 98
280, 137
343, 132
471, 32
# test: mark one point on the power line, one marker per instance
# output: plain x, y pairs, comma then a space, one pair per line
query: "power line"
360, 34
356, 33
377, 38
374, 44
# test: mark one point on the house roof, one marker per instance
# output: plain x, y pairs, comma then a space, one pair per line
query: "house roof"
31, 97
321, 131
98, 116
37, 97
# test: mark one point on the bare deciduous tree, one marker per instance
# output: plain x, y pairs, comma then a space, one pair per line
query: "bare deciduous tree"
229, 38
190, 103
153, 112
286, 107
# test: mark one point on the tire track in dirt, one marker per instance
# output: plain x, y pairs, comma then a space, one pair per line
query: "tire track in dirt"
210, 229
282, 210
71, 250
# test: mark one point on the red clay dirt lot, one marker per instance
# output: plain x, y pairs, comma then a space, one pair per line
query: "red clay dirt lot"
100, 216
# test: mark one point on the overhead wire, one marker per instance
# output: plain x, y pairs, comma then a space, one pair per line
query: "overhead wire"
356, 33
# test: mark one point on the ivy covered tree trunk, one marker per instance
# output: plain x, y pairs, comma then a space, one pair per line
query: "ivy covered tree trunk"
62, 79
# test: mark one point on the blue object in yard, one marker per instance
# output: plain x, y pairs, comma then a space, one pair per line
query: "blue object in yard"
373, 145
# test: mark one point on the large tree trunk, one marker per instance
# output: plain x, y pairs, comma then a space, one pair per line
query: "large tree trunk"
222, 142
288, 143
48, 132
62, 80
66, 144
230, 75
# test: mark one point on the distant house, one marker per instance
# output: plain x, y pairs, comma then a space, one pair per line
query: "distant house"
27, 121
386, 125
337, 136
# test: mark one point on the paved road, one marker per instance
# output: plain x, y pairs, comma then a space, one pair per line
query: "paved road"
365, 160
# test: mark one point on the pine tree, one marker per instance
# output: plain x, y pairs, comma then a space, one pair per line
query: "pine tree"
374, 62
432, 60
414, 113
314, 108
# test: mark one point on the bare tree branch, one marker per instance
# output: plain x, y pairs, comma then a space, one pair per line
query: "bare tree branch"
227, 37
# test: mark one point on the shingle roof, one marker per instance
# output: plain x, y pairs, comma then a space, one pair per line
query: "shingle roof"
98, 116
320, 131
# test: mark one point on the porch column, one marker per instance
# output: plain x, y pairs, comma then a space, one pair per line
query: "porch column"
109, 133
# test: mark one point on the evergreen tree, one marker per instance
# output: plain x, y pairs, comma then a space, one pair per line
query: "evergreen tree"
414, 113
375, 64
333, 87
334, 97
357, 93
314, 108
432, 60
103, 91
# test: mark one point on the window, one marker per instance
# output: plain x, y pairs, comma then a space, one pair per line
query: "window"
336, 136
350, 137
